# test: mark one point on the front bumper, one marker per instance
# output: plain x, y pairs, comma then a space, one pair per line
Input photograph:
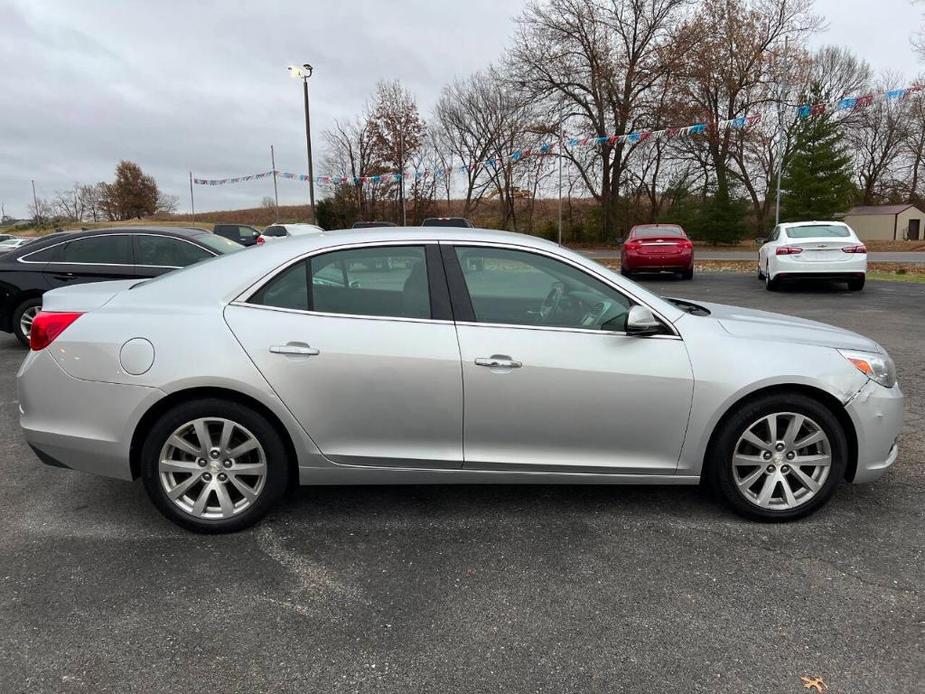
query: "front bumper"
82, 425
877, 414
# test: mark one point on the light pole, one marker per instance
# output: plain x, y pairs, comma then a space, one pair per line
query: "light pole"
303, 73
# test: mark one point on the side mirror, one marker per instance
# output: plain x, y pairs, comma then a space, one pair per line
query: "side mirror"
641, 322
760, 241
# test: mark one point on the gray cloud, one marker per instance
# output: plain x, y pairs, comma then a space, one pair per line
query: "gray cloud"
178, 85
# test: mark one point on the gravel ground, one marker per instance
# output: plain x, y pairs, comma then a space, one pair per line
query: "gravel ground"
477, 589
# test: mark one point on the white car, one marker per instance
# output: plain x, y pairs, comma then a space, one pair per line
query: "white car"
275, 232
12, 243
814, 250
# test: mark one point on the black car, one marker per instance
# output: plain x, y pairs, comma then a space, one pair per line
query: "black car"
447, 222
75, 257
241, 233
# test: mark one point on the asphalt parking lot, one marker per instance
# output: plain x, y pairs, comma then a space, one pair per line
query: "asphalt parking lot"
476, 589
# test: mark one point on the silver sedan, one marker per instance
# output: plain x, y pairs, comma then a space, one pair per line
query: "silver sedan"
416, 356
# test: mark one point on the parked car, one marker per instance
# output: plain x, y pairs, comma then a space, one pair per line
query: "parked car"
813, 250
447, 222
372, 225
223, 383
12, 243
240, 233
76, 257
274, 232
657, 248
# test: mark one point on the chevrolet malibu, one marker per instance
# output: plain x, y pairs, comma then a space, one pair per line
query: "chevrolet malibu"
441, 355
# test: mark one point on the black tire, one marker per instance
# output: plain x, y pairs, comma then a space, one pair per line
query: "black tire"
760, 274
772, 285
35, 301
688, 274
719, 468
856, 284
625, 272
277, 463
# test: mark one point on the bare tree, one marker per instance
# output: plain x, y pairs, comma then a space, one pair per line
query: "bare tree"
595, 63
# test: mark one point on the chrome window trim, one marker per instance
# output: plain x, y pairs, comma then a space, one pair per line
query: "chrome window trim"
242, 298
355, 316
22, 259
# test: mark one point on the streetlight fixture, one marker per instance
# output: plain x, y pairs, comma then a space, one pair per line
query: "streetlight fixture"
303, 73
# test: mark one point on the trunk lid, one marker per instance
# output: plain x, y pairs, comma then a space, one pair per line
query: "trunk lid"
84, 297
822, 249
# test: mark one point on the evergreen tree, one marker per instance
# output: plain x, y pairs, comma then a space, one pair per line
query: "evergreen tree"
817, 180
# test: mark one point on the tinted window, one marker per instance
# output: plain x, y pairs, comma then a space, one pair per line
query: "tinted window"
162, 250
247, 233
218, 244
818, 231
388, 281
46, 255
658, 232
287, 290
227, 231
274, 231
115, 249
522, 288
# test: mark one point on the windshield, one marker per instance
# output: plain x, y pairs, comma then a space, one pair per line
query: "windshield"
658, 232
818, 231
219, 243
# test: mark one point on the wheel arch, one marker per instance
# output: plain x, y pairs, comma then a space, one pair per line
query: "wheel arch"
827, 399
149, 418
14, 302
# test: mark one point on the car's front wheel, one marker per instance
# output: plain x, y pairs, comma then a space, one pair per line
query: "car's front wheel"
214, 466
779, 457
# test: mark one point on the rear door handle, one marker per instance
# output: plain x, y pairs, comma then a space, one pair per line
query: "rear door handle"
297, 349
64, 276
498, 361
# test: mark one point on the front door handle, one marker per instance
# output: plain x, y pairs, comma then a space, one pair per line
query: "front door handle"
498, 361
295, 348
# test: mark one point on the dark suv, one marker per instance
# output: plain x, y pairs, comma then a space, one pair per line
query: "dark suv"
66, 258
241, 233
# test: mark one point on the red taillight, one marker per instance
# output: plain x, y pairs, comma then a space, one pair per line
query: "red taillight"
686, 244
789, 250
260, 240
860, 248
47, 326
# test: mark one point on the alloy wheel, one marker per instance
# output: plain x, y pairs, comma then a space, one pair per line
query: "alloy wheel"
212, 468
781, 461
26, 320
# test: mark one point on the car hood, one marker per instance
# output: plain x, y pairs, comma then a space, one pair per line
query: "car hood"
776, 327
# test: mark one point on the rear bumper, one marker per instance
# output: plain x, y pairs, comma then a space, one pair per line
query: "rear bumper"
674, 261
82, 425
877, 414
793, 266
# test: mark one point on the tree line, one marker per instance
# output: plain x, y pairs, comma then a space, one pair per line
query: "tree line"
132, 194
604, 67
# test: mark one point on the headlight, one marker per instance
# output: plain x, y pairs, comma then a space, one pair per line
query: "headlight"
877, 367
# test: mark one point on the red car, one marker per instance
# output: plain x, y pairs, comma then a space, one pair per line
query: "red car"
655, 248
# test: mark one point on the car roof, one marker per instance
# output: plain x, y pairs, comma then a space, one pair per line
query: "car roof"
53, 239
788, 225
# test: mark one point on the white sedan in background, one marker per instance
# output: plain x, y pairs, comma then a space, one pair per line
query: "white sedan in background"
813, 250
275, 232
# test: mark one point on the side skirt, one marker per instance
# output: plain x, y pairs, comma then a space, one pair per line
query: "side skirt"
375, 475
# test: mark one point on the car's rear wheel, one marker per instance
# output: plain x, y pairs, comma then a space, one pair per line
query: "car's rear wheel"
856, 284
688, 274
771, 283
779, 457
625, 272
23, 317
214, 466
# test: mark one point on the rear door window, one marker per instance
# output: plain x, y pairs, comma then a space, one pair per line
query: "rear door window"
289, 289
113, 249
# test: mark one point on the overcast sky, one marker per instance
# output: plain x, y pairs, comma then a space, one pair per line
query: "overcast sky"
180, 85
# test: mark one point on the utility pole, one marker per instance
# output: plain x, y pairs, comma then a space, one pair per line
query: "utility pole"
561, 154
275, 190
780, 123
35, 203
192, 201
401, 185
